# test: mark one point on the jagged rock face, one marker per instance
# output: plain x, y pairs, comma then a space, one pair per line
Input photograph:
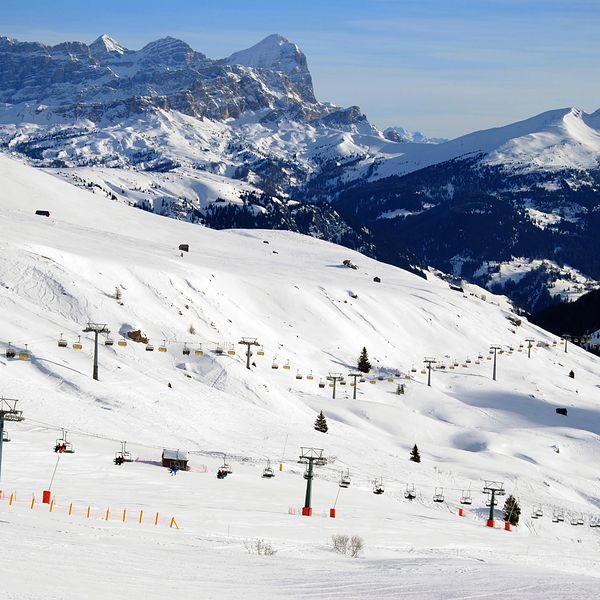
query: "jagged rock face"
104, 79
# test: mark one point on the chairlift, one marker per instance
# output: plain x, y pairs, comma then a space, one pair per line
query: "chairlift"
465, 365
380, 377
423, 371
287, 366
413, 369
123, 455
310, 376
63, 445
221, 473
149, 347
5, 436
10, 351
231, 351
274, 365
410, 492
186, 351
441, 367
298, 375
62, 343
438, 496
465, 497
574, 520
268, 472
390, 380
122, 343
362, 380
455, 363
163, 348
373, 381
451, 366
260, 351
78, 345
219, 349
199, 352
321, 384
468, 360
24, 354
480, 356
305, 474
345, 479
378, 487
342, 381
580, 520
226, 467
477, 362
537, 512
109, 341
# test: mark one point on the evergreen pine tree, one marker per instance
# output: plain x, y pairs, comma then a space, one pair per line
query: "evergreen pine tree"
512, 510
414, 454
364, 366
321, 423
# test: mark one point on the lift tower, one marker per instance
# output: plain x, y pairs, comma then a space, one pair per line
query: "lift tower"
96, 328
248, 342
310, 457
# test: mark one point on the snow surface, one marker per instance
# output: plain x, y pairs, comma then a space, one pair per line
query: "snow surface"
293, 293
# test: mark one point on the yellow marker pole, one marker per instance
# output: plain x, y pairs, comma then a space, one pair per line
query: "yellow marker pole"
11, 499
281, 466
32, 502
173, 523
87, 514
156, 520
70, 509
141, 516
107, 517
52, 505
124, 514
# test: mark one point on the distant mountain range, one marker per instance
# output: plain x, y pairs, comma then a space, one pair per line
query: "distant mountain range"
243, 142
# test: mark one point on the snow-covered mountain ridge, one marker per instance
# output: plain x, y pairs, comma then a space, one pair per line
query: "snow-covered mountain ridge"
313, 313
243, 141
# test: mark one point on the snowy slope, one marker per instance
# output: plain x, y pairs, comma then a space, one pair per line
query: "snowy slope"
293, 293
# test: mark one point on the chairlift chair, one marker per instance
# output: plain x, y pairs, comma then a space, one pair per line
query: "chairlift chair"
10, 351
199, 352
260, 351
163, 347
362, 380
221, 473
231, 351
298, 375
122, 343
62, 343
468, 360
5, 436
321, 384
438, 496
342, 382
345, 479
274, 365
574, 520
539, 512
413, 369
109, 342
409, 492
268, 471
24, 354
373, 381
378, 487
423, 371
580, 520
465, 497
63, 446
149, 347
218, 349
78, 345
226, 467
390, 380
380, 377
287, 366
186, 351
310, 376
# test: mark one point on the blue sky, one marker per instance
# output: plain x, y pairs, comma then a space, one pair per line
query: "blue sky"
445, 67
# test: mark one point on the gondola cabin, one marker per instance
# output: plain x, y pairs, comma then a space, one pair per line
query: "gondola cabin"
42, 213
175, 459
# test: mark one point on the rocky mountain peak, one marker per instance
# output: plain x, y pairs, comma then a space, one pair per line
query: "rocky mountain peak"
106, 46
